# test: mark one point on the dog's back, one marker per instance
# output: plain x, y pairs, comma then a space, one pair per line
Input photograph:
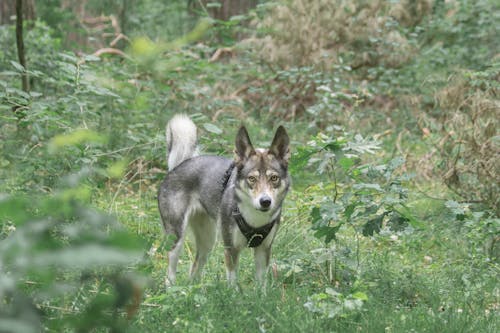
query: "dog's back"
196, 181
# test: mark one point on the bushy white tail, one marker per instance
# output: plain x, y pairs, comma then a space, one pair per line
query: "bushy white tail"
181, 140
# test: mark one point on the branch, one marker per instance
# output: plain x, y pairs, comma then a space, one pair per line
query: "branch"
110, 50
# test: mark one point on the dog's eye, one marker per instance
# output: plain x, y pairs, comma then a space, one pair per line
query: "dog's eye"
274, 178
252, 179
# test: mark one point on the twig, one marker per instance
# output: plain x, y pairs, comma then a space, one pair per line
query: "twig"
123, 149
203, 7
118, 38
110, 50
219, 53
151, 305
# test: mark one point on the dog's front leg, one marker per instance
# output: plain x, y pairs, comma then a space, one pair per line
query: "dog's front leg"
231, 256
262, 256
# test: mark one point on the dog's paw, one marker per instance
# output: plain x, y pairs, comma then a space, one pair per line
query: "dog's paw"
169, 283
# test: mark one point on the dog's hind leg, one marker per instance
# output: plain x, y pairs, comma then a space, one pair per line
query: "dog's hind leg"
173, 259
175, 224
205, 233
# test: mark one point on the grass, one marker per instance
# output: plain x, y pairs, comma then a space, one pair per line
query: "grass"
435, 279
415, 281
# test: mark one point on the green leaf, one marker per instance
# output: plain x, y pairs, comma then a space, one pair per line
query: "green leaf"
212, 128
117, 169
370, 187
360, 295
86, 256
374, 225
301, 157
362, 145
404, 211
35, 94
458, 209
349, 210
397, 222
14, 210
329, 233
315, 215
346, 163
17, 66
334, 146
238, 18
75, 138
21, 325
214, 5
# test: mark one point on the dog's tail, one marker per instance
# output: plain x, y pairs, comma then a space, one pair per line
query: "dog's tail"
181, 140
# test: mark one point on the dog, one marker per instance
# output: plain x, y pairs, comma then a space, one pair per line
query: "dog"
240, 199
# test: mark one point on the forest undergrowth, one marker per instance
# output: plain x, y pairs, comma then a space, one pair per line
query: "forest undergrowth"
392, 108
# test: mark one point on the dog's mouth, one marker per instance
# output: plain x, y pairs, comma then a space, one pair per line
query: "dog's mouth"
264, 209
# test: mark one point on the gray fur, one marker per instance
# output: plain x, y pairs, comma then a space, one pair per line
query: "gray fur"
202, 192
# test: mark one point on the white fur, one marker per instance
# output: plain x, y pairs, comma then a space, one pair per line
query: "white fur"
260, 255
231, 277
254, 217
181, 138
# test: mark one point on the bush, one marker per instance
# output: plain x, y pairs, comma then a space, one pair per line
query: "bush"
63, 264
463, 33
470, 148
302, 32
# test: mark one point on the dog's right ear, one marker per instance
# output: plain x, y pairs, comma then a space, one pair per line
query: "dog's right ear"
244, 148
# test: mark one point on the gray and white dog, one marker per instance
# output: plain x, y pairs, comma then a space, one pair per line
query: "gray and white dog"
242, 197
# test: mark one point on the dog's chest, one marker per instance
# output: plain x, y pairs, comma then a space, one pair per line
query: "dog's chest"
240, 241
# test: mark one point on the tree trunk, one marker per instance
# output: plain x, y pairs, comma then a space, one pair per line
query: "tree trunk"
8, 11
20, 44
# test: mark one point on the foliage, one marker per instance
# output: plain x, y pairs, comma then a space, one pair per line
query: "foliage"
55, 251
368, 199
481, 227
333, 304
364, 245
147, 18
470, 144
462, 33
301, 33
365, 197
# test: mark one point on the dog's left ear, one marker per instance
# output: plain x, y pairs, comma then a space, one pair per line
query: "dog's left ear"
281, 145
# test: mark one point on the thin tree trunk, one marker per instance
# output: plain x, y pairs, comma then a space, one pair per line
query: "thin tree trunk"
20, 44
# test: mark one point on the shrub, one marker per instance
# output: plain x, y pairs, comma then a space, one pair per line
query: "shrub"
63, 265
470, 150
304, 32
463, 33
365, 197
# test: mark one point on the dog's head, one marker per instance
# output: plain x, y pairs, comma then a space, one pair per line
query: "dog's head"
263, 173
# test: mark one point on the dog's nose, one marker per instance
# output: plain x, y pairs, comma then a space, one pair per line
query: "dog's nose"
265, 202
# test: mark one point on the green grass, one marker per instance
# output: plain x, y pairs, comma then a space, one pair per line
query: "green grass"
419, 281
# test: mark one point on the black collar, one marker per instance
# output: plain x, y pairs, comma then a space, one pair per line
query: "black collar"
254, 236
